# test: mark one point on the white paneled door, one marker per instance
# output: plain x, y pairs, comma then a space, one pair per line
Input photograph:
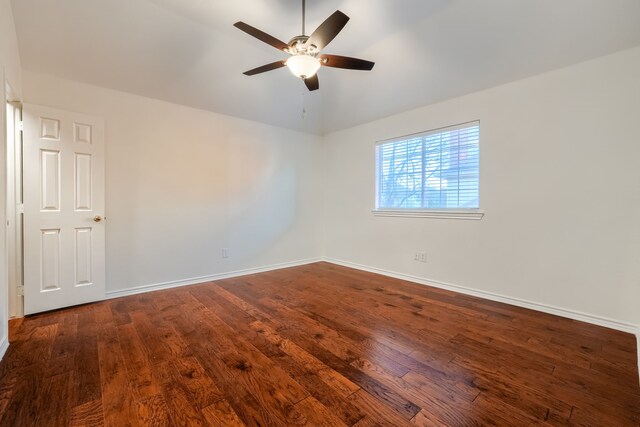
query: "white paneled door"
64, 224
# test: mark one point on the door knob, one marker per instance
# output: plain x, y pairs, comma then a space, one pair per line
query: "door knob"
97, 218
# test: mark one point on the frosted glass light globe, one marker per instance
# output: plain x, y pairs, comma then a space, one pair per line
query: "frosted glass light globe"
303, 66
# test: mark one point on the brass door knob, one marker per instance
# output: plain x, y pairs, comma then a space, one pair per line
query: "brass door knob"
97, 218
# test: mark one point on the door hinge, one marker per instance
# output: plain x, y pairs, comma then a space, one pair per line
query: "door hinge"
20, 126
20, 208
20, 291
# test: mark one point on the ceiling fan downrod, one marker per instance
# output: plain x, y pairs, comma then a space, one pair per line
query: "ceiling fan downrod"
303, 17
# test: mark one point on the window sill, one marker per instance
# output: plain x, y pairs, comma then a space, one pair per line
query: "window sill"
442, 214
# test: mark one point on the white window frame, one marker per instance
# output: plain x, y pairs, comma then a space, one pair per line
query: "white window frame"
454, 213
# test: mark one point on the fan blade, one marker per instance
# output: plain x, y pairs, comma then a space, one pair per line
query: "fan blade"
261, 35
337, 61
328, 30
312, 83
265, 68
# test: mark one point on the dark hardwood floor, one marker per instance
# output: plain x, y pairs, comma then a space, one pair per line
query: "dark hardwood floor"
316, 345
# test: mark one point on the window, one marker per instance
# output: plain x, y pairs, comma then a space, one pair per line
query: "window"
431, 171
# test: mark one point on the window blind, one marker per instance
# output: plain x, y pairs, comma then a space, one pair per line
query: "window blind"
438, 169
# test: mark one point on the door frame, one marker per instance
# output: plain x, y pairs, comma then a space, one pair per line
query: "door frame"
14, 210
7, 93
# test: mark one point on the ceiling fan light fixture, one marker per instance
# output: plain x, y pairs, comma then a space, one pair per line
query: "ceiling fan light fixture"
303, 65
306, 57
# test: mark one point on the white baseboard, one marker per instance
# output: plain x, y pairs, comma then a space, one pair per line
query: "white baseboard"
195, 280
545, 308
4, 345
638, 350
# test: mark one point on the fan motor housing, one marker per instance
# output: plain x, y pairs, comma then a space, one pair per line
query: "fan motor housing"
298, 45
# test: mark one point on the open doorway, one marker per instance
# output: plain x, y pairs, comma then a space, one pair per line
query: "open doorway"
15, 209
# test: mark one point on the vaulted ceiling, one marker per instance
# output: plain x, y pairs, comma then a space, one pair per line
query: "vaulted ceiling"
188, 52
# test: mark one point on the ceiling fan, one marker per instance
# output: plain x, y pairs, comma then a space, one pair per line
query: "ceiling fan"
305, 58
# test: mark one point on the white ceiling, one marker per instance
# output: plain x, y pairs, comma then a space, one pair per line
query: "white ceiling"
188, 52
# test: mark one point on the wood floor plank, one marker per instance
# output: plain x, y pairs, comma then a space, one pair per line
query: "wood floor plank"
27, 401
204, 391
315, 298
239, 398
248, 360
65, 338
86, 377
221, 414
6, 392
182, 409
325, 384
157, 350
520, 396
259, 330
89, 414
14, 326
318, 344
238, 366
424, 419
334, 379
316, 414
119, 311
377, 411
39, 345
311, 345
55, 408
117, 403
576, 395
137, 362
153, 411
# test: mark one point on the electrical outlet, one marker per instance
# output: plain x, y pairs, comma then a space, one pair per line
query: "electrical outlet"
225, 252
420, 256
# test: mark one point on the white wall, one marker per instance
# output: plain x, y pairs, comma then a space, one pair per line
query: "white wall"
183, 183
560, 186
10, 72
559, 174
9, 56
